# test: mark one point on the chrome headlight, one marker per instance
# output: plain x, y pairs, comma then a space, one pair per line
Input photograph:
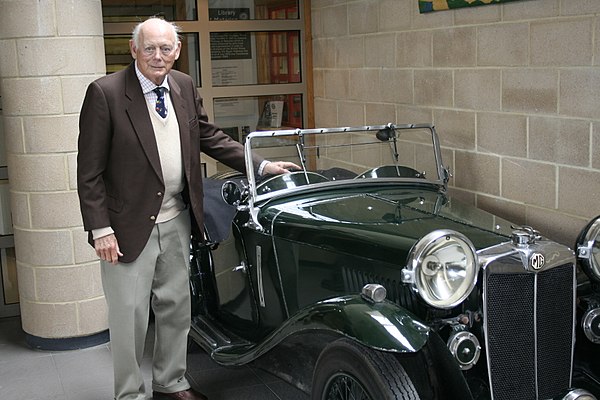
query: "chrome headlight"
588, 249
442, 268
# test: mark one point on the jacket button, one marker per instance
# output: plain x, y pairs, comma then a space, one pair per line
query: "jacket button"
152, 217
159, 194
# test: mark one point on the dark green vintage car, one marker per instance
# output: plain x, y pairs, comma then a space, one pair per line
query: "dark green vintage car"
357, 277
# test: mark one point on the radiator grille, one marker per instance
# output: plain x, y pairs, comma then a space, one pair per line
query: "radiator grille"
555, 330
529, 357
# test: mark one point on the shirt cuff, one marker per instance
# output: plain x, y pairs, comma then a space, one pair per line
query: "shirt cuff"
262, 166
101, 232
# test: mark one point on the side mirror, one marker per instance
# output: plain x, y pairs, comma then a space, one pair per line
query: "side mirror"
231, 193
385, 134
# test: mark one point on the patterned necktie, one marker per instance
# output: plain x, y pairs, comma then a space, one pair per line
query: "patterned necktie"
160, 101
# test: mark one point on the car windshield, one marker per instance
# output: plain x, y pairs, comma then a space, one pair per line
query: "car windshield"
327, 156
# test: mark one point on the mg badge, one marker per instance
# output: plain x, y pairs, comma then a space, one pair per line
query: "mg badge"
537, 261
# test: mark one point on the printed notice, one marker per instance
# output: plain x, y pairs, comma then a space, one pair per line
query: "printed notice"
230, 46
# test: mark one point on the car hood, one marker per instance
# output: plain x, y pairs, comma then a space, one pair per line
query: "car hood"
380, 225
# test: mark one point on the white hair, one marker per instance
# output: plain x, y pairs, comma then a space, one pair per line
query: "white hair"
137, 29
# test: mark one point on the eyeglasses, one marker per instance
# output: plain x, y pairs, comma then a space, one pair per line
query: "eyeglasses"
164, 50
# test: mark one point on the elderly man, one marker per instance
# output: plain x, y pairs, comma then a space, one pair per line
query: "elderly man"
140, 188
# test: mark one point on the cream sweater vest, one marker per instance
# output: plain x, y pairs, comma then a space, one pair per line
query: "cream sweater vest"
166, 132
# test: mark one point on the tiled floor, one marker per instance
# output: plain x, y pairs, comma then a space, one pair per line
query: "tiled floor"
27, 374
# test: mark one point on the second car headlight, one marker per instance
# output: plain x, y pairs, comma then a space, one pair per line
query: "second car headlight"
443, 268
588, 249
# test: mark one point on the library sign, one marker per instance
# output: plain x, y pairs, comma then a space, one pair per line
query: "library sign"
230, 45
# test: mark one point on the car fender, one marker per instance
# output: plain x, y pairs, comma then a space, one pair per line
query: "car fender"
381, 326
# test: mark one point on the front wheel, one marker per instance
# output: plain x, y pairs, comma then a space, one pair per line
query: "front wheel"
347, 370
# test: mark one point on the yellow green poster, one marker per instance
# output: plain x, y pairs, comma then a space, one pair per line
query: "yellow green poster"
437, 5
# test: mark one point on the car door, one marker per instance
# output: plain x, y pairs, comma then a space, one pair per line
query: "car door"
235, 301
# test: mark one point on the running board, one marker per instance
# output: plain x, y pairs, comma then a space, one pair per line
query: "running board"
209, 336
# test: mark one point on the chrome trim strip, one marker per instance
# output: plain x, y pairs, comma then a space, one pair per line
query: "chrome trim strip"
261, 289
486, 330
535, 335
574, 321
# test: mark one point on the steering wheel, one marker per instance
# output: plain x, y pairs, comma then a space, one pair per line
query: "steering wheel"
391, 171
289, 181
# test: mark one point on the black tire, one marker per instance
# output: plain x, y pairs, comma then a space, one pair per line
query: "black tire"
348, 370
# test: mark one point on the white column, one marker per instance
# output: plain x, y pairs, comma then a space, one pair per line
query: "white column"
50, 50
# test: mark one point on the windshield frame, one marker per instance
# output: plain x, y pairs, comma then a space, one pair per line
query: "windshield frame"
442, 172
255, 198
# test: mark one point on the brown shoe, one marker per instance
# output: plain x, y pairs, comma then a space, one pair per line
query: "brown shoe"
189, 394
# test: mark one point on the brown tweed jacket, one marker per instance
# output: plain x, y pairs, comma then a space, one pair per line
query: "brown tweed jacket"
119, 176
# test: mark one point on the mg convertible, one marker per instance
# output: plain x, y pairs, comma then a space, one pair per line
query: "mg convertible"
358, 277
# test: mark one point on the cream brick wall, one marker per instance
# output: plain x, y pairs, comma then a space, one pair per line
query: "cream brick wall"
50, 50
513, 90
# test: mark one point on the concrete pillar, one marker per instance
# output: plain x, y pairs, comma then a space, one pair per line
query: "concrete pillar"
50, 50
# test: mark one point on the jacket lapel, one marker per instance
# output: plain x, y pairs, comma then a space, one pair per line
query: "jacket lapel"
140, 119
183, 121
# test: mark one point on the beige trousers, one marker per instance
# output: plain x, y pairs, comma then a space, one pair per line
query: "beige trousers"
158, 277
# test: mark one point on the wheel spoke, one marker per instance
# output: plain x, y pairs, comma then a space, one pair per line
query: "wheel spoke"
348, 388
345, 387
